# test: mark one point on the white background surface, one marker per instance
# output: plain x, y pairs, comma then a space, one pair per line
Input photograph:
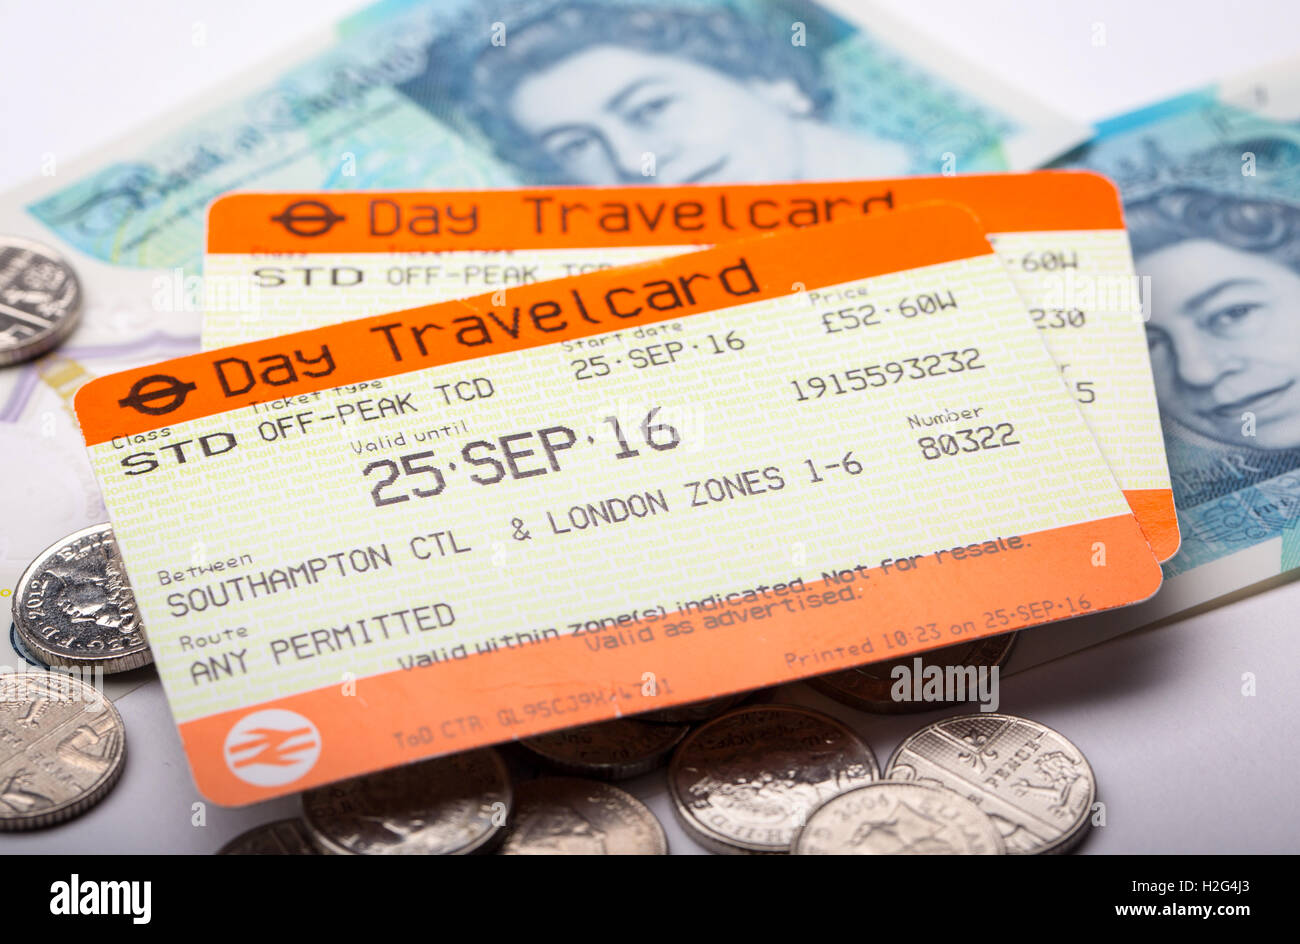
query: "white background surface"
1185, 762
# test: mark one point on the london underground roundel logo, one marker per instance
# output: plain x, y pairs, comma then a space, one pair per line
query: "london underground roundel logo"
309, 218
272, 747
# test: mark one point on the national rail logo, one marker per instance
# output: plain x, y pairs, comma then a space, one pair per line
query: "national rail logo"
272, 747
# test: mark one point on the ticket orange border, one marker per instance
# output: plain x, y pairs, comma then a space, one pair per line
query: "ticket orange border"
386, 221
138, 400
1158, 516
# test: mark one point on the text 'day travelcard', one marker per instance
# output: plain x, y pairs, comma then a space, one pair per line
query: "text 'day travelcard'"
286, 262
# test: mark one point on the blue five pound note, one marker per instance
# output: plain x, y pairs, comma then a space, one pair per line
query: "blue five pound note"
1211, 184
463, 93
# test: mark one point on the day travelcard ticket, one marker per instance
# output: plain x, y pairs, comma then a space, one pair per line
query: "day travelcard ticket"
285, 262
416, 533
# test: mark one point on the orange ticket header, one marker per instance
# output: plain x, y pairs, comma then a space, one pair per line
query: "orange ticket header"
599, 217
741, 272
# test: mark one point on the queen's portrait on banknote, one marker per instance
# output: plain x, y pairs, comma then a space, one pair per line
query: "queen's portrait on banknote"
1211, 187
1224, 332
575, 92
612, 94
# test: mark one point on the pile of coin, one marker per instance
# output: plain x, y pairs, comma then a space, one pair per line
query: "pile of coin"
763, 778
64, 742
742, 778
782, 778
759, 778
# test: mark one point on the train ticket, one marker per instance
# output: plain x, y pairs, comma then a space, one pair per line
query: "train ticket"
416, 533
285, 262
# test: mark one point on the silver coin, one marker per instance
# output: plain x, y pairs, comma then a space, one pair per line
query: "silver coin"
871, 687
283, 837
890, 818
610, 750
569, 816
1035, 785
74, 607
450, 805
62, 747
40, 299
696, 711
747, 781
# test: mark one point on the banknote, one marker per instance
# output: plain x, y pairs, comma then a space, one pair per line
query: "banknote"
1211, 188
464, 93
457, 93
